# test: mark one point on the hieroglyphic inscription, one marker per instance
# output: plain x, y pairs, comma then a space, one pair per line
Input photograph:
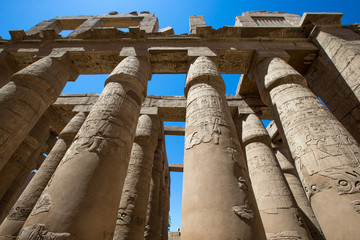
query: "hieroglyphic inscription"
285, 235
106, 128
356, 204
19, 213
38, 232
205, 113
347, 180
317, 141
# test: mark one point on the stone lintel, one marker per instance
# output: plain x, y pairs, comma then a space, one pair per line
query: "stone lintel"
167, 31
37, 30
167, 56
172, 130
151, 111
314, 18
168, 108
173, 167
71, 22
272, 130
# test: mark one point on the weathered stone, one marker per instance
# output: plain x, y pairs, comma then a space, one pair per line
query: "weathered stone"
93, 170
22, 158
25, 98
153, 221
212, 196
22, 208
82, 199
278, 209
130, 223
326, 156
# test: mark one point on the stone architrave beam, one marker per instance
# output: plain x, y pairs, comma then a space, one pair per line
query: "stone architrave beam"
174, 130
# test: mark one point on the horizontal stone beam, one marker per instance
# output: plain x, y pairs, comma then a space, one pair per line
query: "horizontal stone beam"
179, 131
173, 167
169, 108
168, 55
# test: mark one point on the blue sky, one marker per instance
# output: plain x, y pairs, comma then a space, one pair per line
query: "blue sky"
24, 14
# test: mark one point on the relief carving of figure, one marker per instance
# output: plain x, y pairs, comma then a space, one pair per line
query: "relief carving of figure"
208, 130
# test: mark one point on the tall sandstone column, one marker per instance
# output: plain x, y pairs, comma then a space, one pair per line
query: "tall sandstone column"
16, 218
278, 209
326, 155
22, 155
218, 202
297, 191
26, 97
82, 199
165, 202
153, 224
130, 224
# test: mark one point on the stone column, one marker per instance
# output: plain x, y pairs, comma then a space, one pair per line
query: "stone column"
14, 221
297, 191
7, 67
82, 199
152, 225
217, 200
26, 97
161, 197
165, 202
50, 142
22, 156
16, 196
326, 156
278, 210
130, 224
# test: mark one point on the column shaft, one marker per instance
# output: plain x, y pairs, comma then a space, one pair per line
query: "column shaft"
165, 202
23, 206
152, 225
297, 191
23, 155
131, 218
82, 199
278, 210
326, 156
216, 202
25, 98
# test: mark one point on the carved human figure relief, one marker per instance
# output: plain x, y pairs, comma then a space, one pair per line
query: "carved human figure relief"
43, 205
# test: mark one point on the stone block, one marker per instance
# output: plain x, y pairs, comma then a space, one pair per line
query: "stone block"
167, 31
196, 21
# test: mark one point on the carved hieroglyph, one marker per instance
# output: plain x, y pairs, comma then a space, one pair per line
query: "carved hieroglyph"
215, 205
133, 207
326, 156
153, 221
291, 176
86, 188
25, 98
23, 206
278, 209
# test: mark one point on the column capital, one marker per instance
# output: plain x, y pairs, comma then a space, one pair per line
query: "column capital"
72, 128
272, 72
147, 129
129, 69
254, 130
203, 70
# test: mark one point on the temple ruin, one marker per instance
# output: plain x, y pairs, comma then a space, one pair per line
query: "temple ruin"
102, 168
